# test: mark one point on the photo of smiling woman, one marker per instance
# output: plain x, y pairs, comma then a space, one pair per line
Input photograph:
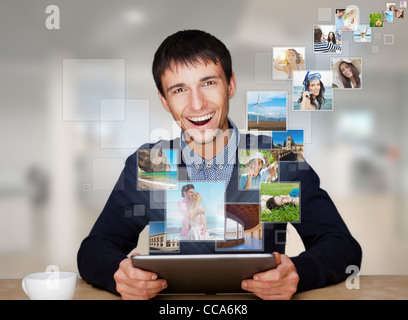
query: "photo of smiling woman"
346, 73
286, 61
312, 93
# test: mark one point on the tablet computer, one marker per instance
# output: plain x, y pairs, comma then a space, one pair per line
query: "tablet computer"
205, 273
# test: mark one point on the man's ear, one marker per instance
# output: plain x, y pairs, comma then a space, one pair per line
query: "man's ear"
232, 86
164, 102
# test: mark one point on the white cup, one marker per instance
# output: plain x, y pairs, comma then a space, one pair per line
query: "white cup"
50, 285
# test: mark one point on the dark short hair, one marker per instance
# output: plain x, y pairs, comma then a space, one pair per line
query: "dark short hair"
185, 188
271, 204
189, 47
317, 34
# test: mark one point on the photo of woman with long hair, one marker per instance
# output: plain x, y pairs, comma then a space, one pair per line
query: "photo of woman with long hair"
346, 73
331, 37
399, 14
312, 97
312, 90
287, 61
198, 221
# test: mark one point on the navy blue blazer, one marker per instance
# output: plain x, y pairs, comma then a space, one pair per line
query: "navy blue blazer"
329, 246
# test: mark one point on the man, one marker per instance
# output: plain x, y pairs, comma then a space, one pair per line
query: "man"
255, 174
339, 18
186, 192
193, 73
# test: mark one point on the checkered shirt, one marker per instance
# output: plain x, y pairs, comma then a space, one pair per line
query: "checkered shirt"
217, 169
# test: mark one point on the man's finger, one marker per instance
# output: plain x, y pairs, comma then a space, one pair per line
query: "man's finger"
278, 259
270, 287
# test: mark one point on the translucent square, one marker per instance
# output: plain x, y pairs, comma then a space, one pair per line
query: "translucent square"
324, 14
113, 110
105, 174
282, 237
130, 133
157, 199
263, 67
389, 39
139, 210
375, 49
85, 82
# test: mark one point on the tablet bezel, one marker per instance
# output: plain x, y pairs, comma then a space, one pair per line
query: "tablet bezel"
205, 273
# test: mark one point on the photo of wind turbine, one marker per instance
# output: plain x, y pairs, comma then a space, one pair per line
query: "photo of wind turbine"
257, 105
267, 110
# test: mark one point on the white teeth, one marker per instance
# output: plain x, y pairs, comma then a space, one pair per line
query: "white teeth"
196, 119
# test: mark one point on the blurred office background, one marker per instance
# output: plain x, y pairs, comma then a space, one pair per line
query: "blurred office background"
76, 101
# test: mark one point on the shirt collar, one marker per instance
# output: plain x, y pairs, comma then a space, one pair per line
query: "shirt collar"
227, 155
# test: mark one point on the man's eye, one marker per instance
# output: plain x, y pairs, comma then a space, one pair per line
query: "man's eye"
179, 90
209, 83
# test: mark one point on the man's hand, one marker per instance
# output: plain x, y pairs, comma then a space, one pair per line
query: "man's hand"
136, 284
279, 283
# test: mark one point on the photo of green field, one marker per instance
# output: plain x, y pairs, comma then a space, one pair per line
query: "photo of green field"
288, 212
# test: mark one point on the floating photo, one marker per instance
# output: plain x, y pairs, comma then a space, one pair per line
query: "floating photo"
158, 242
286, 60
376, 20
403, 4
289, 144
338, 18
312, 90
267, 110
243, 229
157, 169
399, 14
347, 19
391, 6
347, 73
326, 39
256, 166
362, 34
280, 202
388, 16
351, 18
196, 211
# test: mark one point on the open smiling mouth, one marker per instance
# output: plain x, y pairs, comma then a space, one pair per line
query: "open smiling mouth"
200, 121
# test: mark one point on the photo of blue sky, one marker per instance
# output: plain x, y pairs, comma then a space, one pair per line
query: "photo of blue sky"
172, 159
273, 103
279, 137
213, 199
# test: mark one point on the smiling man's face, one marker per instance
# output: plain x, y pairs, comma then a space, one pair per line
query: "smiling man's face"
198, 98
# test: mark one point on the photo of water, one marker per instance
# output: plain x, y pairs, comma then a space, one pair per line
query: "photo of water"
328, 95
166, 179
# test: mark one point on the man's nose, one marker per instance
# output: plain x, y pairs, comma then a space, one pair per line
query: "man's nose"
197, 99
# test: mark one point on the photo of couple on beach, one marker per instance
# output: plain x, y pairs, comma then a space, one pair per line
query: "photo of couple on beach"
196, 211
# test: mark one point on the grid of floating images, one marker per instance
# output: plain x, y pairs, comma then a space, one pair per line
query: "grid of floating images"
198, 211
